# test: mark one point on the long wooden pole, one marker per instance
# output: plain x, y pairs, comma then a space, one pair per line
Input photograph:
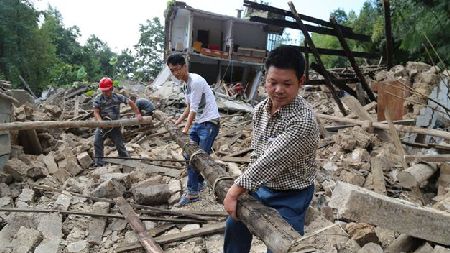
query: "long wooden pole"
317, 57
145, 239
27, 125
400, 128
261, 220
352, 60
388, 31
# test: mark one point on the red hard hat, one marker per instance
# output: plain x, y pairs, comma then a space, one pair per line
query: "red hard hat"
105, 84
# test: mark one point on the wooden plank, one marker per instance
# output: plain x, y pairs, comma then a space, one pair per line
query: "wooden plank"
151, 168
206, 230
391, 95
145, 239
353, 104
406, 122
309, 28
366, 107
340, 81
338, 52
271, 9
395, 138
29, 125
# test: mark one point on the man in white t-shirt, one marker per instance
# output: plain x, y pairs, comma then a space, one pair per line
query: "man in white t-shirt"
202, 114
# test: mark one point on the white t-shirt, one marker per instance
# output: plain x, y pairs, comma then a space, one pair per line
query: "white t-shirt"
201, 99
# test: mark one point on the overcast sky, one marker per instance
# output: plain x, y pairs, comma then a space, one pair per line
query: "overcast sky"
117, 22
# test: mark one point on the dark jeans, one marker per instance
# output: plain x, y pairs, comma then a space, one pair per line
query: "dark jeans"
116, 136
203, 134
291, 205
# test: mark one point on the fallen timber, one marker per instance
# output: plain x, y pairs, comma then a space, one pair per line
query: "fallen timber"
101, 215
261, 220
147, 242
379, 125
28, 125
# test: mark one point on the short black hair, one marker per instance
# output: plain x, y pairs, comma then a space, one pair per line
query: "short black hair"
176, 59
287, 57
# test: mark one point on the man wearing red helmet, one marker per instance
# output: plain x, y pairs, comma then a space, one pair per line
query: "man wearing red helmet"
107, 107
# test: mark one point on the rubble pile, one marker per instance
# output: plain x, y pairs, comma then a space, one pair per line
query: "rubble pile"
368, 198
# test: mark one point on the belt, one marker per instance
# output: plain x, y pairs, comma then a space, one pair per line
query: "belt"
213, 121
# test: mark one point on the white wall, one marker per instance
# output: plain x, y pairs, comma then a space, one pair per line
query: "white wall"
180, 30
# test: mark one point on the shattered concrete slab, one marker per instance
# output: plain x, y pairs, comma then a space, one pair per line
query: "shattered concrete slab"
362, 205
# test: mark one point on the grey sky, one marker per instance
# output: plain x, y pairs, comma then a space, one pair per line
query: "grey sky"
117, 22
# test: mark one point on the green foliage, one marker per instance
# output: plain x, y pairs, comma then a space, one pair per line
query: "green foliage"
90, 93
328, 41
47, 53
149, 50
125, 64
416, 20
25, 50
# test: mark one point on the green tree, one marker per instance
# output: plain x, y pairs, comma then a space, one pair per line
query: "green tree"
414, 21
150, 49
96, 58
68, 51
125, 64
24, 50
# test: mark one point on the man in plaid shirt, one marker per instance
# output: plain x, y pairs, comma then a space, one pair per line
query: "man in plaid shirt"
285, 138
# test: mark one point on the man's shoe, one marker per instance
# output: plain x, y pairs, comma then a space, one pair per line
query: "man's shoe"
187, 199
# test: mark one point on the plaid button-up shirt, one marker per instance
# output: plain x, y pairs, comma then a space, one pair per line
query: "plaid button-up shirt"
284, 147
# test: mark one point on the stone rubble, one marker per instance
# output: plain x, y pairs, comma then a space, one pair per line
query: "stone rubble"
66, 163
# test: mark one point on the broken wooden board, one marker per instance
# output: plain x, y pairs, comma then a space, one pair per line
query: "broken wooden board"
353, 104
395, 138
151, 168
391, 96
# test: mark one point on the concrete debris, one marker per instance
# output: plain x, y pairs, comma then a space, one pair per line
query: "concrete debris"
352, 162
362, 233
84, 160
152, 194
371, 248
360, 204
26, 240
